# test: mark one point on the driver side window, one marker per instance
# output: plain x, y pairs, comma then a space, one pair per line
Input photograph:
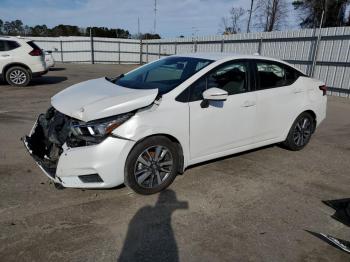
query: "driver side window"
231, 77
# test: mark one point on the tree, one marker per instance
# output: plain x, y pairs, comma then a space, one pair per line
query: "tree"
39, 30
272, 14
13, 28
150, 36
65, 30
231, 25
311, 12
108, 32
1, 27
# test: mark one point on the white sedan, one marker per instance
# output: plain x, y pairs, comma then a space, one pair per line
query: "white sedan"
145, 127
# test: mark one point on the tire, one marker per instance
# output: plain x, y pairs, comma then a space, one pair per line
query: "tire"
18, 76
300, 133
152, 165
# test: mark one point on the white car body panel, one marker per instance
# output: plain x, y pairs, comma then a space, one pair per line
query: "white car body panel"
50, 62
106, 159
99, 98
242, 122
239, 112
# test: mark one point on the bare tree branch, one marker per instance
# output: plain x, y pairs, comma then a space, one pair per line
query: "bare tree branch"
231, 24
272, 14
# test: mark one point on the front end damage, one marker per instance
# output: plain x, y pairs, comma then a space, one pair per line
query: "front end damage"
79, 154
46, 139
45, 142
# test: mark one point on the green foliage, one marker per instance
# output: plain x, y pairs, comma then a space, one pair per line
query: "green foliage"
107, 32
150, 36
17, 27
311, 12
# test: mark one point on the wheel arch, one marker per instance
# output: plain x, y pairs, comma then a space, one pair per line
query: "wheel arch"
172, 139
314, 116
7, 67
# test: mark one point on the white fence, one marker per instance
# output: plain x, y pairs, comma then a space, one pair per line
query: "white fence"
327, 57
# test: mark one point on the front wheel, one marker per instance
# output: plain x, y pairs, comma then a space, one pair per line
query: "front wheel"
152, 165
300, 132
18, 76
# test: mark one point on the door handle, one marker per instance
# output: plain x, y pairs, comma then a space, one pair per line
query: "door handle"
5, 55
249, 104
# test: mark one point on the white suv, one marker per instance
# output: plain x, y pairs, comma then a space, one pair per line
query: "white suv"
20, 60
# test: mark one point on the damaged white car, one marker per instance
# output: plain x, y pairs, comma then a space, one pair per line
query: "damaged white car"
145, 127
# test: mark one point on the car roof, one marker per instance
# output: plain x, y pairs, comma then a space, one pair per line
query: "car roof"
15, 38
217, 56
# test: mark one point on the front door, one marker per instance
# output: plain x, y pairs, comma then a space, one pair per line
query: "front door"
222, 125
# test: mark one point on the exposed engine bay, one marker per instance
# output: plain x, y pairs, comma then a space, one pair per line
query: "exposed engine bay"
45, 142
54, 132
51, 131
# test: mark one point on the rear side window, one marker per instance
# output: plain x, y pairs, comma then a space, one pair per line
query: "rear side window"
33, 45
8, 45
12, 45
271, 75
2, 45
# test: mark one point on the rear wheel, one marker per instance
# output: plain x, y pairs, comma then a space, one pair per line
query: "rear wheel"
152, 165
300, 132
18, 76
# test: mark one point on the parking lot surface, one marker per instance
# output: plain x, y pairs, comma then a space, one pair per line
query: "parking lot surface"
254, 206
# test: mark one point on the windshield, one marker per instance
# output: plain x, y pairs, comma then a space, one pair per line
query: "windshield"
164, 74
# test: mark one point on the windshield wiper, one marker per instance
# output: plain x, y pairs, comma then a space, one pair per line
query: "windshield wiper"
114, 79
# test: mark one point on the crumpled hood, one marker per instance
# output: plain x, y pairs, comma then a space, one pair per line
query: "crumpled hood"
99, 98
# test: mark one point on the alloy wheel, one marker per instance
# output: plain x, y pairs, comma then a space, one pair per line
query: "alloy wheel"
302, 131
153, 166
18, 77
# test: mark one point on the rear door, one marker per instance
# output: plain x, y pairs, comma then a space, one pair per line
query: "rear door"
5, 54
223, 125
278, 98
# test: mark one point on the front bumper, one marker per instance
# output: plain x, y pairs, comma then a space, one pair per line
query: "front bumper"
106, 159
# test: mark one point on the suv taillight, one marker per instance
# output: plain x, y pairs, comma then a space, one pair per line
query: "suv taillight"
323, 89
36, 52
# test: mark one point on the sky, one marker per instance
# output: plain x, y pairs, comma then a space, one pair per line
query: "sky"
174, 18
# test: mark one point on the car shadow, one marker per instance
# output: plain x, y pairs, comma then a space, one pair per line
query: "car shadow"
57, 69
47, 80
150, 236
342, 210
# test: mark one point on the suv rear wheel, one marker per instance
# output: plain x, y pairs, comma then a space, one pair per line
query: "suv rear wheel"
18, 76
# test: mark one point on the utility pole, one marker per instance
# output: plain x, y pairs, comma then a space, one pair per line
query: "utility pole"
155, 17
138, 28
250, 15
92, 46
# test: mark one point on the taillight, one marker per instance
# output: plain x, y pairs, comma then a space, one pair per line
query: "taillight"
36, 52
323, 89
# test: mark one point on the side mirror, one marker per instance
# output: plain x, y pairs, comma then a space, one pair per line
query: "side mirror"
215, 94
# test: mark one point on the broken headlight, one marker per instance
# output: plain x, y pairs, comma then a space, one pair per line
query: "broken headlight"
99, 128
